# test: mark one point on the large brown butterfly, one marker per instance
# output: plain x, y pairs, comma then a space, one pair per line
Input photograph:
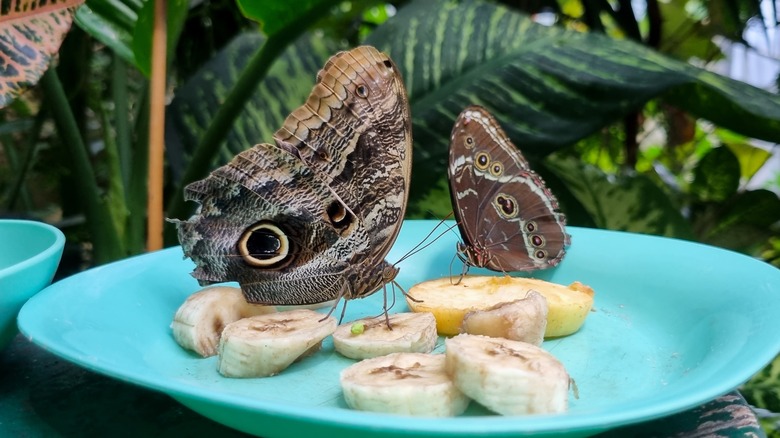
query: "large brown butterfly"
508, 219
311, 218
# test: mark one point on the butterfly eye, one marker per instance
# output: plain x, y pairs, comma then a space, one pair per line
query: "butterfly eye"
362, 91
264, 245
482, 160
469, 142
507, 205
388, 64
496, 169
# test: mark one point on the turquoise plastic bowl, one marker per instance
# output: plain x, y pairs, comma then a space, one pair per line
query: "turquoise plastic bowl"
29, 255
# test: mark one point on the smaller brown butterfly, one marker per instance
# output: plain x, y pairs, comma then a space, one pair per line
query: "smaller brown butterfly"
508, 219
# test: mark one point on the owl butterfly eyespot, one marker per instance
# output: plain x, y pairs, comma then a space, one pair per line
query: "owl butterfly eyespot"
311, 217
508, 219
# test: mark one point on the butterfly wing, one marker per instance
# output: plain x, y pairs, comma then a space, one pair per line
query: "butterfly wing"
507, 217
520, 227
312, 218
364, 150
263, 219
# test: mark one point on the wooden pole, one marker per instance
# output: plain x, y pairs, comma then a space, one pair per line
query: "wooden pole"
155, 220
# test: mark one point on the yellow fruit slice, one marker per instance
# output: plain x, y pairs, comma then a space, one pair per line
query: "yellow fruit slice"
568, 305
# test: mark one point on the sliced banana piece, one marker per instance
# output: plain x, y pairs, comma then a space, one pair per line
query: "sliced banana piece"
403, 383
371, 337
568, 306
522, 320
507, 377
264, 345
198, 323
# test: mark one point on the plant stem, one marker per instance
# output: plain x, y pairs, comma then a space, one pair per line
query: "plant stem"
121, 114
106, 242
136, 190
18, 188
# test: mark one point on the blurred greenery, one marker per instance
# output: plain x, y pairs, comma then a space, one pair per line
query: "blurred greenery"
612, 103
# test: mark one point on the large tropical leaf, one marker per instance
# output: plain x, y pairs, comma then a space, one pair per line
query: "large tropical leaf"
30, 35
742, 223
275, 16
548, 86
286, 86
625, 202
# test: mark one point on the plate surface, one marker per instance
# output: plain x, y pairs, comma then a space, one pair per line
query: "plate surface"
674, 325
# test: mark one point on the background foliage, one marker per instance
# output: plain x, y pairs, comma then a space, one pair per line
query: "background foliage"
613, 105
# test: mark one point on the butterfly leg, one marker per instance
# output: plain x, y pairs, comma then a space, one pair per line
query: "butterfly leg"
464, 270
344, 289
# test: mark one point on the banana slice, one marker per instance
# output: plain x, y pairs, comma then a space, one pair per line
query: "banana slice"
507, 377
522, 320
370, 337
568, 305
264, 345
403, 383
198, 323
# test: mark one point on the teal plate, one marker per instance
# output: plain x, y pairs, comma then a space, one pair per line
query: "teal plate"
675, 324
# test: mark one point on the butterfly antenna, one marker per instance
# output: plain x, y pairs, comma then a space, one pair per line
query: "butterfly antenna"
423, 244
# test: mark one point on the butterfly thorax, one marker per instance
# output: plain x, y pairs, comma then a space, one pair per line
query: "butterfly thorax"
472, 255
368, 281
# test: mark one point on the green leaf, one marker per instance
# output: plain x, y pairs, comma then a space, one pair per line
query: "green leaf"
549, 87
111, 22
275, 16
626, 202
286, 86
142, 32
742, 223
686, 38
30, 35
716, 177
763, 390
751, 158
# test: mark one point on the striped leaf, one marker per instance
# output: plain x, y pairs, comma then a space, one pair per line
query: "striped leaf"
625, 202
288, 83
30, 35
548, 86
742, 223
